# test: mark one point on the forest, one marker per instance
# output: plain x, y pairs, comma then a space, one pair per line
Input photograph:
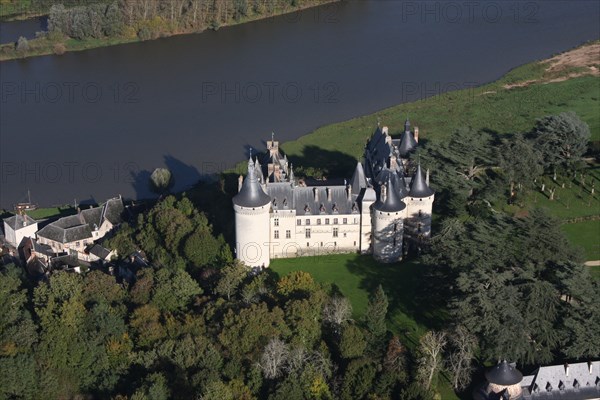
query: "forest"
196, 324
120, 21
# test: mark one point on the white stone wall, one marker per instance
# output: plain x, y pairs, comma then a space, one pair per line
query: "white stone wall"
387, 235
366, 228
313, 234
252, 235
14, 237
416, 219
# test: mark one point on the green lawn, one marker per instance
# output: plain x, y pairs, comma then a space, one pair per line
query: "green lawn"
51, 212
595, 271
586, 235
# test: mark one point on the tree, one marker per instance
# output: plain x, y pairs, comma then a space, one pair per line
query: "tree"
232, 277
429, 363
298, 282
174, 290
562, 139
375, 316
22, 45
161, 180
460, 360
337, 311
273, 358
352, 342
521, 163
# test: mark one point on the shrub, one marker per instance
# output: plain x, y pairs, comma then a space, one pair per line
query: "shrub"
59, 49
22, 45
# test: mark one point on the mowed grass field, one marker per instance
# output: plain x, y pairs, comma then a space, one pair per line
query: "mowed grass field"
585, 235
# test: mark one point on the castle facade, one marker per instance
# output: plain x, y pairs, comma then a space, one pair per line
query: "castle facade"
383, 210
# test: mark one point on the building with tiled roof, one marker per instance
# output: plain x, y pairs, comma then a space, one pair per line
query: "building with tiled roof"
386, 205
18, 227
76, 232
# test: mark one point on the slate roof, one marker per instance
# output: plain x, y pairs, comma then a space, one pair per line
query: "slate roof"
392, 202
98, 251
251, 193
302, 199
407, 143
80, 226
358, 181
418, 186
504, 374
552, 382
19, 221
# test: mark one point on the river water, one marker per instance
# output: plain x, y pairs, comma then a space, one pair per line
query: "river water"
93, 124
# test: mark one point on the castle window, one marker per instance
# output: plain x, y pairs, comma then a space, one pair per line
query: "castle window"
288, 234
298, 222
307, 233
326, 221
345, 220
276, 221
394, 242
335, 221
344, 234
355, 243
335, 232
395, 227
318, 221
420, 213
321, 244
334, 244
356, 220
276, 234
77, 244
307, 221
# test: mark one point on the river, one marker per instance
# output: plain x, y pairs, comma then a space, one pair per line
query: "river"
90, 125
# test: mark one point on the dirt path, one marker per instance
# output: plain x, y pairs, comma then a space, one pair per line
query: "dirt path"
595, 263
584, 60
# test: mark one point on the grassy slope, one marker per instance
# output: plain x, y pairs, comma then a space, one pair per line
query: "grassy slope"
587, 235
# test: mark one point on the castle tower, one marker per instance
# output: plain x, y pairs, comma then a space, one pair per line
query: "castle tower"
388, 215
252, 206
503, 382
419, 204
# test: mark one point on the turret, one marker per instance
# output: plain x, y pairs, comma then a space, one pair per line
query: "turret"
252, 206
419, 203
504, 380
388, 227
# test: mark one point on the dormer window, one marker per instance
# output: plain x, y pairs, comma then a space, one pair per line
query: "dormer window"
335, 207
285, 201
322, 208
306, 208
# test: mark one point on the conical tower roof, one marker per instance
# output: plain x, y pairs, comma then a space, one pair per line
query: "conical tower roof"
418, 186
251, 194
392, 202
407, 143
359, 180
504, 374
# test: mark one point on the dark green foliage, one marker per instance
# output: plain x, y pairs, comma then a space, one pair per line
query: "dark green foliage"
507, 283
375, 317
562, 140
358, 379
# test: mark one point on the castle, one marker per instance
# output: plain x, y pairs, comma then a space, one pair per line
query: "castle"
384, 209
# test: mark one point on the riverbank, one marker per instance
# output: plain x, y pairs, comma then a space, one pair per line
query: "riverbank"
57, 43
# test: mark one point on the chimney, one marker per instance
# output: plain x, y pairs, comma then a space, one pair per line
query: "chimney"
393, 162
240, 182
328, 194
349, 192
383, 193
384, 130
417, 134
590, 367
316, 193
566, 369
427, 176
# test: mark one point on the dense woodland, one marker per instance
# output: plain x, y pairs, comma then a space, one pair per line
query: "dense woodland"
198, 325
